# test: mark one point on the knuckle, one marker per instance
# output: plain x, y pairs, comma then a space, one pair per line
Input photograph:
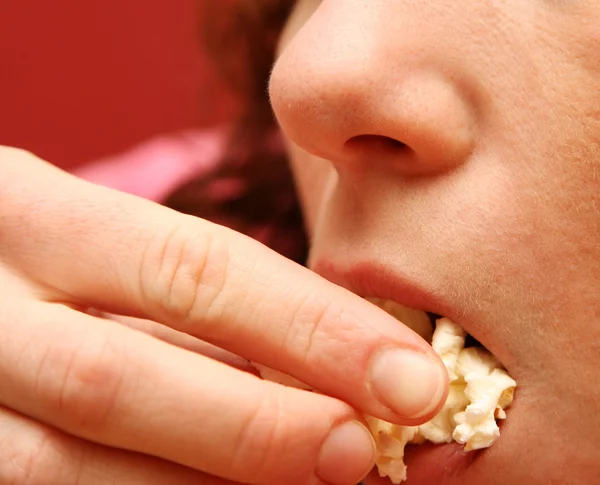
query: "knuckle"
262, 440
309, 331
183, 272
276, 445
10, 154
12, 162
82, 382
24, 183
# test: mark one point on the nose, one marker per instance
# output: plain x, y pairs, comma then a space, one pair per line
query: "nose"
354, 88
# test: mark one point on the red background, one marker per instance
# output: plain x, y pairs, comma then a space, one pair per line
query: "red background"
80, 79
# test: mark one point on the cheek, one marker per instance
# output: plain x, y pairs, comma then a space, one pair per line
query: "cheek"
313, 177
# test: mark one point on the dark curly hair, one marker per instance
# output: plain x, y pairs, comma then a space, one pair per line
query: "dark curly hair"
261, 201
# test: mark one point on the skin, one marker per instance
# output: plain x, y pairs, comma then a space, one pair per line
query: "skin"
125, 335
457, 144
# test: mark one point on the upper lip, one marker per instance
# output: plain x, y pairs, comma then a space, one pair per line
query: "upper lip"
375, 280
368, 278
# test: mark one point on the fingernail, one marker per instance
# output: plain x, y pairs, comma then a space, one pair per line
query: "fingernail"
409, 382
347, 455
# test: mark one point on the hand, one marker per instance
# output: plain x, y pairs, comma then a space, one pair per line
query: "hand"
91, 401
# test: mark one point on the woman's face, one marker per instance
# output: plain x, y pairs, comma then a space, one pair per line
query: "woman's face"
447, 154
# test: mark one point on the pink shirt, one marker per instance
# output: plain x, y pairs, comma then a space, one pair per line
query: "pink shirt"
155, 168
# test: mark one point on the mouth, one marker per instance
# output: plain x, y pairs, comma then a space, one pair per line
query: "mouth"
480, 387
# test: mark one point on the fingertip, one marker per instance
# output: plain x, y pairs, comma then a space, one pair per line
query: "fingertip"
409, 382
347, 455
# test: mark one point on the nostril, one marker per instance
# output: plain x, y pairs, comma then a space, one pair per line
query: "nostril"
378, 144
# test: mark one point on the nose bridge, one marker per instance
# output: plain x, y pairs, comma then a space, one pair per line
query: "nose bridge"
324, 78
360, 73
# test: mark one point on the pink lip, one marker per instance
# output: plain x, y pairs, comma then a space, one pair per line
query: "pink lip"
430, 464
370, 279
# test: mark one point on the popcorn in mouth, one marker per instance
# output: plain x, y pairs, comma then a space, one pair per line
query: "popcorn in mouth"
480, 391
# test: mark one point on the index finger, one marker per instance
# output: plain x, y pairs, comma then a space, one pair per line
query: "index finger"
131, 256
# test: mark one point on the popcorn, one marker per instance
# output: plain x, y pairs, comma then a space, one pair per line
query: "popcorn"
476, 425
416, 320
475, 360
439, 429
448, 342
480, 391
390, 441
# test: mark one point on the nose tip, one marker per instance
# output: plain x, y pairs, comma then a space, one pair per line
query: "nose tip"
415, 120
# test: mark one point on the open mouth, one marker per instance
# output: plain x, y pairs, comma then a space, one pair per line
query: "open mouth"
445, 446
480, 391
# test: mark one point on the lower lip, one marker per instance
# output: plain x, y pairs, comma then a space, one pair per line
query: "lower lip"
429, 464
